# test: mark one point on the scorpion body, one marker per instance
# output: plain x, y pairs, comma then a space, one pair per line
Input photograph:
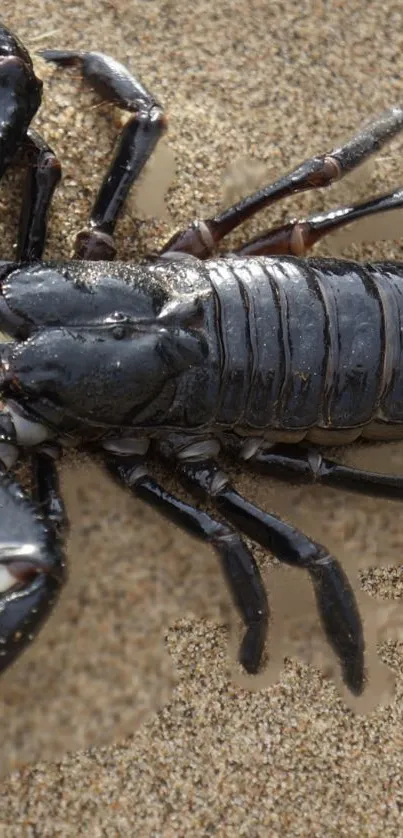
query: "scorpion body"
258, 353
280, 356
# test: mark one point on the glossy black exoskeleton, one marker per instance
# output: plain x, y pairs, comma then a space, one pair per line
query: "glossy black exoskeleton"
260, 353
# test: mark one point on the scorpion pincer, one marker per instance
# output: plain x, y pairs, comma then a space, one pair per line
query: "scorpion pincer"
260, 353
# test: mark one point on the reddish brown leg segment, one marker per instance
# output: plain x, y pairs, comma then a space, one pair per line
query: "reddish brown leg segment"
298, 236
201, 237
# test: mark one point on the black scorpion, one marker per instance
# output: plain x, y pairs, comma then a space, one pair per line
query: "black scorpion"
259, 353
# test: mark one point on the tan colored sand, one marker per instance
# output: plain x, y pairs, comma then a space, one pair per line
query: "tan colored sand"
240, 80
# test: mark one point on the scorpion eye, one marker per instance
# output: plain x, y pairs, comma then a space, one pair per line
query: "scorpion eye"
120, 325
121, 331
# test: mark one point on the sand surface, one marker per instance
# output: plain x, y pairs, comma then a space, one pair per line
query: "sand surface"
127, 716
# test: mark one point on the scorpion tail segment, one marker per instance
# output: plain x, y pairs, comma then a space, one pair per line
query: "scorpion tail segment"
31, 571
238, 565
340, 620
20, 95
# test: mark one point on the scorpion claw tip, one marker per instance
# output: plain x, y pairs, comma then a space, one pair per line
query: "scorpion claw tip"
353, 670
250, 653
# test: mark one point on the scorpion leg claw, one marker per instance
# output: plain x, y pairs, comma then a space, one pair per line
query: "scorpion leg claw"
252, 645
340, 620
334, 596
31, 570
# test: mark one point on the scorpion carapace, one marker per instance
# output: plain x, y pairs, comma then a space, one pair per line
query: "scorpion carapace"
259, 353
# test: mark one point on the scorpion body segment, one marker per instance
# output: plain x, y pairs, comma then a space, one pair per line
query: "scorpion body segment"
260, 353
269, 346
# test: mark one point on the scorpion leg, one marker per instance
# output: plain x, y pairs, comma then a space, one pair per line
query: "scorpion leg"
31, 559
299, 235
334, 596
46, 491
201, 237
308, 465
137, 142
43, 175
20, 95
237, 563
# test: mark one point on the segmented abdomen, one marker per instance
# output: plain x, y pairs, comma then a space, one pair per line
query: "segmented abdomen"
308, 342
